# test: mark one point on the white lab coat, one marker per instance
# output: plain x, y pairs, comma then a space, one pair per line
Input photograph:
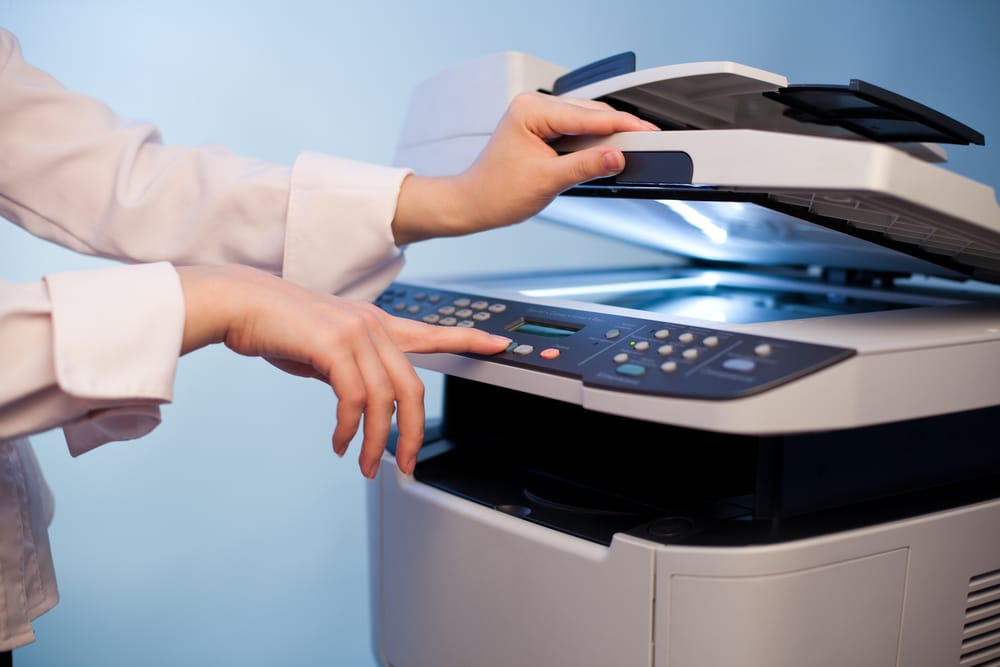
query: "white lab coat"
95, 352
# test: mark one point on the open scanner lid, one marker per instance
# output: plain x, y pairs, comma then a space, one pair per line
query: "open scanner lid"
751, 170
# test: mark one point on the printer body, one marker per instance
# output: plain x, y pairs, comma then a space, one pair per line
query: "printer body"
781, 451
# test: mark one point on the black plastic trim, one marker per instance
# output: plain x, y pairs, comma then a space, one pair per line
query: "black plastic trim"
616, 65
873, 112
652, 169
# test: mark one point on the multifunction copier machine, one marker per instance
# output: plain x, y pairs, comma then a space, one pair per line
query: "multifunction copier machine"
780, 452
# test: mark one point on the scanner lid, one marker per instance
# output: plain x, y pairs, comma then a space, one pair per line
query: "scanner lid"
751, 170
718, 95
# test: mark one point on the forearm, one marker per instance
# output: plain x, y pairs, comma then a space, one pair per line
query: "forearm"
429, 207
215, 301
77, 174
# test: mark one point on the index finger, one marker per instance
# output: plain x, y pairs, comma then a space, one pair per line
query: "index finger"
573, 116
420, 337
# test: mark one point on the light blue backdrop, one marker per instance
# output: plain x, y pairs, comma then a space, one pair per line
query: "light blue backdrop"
232, 535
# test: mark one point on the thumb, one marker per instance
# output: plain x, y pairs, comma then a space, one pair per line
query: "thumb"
586, 165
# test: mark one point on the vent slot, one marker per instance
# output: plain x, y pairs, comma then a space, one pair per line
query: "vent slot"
981, 633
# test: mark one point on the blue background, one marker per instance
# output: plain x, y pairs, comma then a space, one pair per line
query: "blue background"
231, 534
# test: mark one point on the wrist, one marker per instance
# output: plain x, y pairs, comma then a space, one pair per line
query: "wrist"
431, 206
208, 304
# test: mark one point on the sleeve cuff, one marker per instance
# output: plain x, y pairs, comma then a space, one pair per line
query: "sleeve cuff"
117, 336
110, 425
338, 236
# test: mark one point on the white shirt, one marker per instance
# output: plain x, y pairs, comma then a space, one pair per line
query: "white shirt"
95, 352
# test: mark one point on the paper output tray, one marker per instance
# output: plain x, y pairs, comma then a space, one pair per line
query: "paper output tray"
609, 474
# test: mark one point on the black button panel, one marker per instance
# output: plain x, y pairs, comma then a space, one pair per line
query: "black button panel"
617, 352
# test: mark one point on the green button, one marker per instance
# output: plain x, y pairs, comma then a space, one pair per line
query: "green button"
631, 369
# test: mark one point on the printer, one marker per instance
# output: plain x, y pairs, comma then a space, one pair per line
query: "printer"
777, 448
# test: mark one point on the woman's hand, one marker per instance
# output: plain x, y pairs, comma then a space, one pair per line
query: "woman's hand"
518, 173
355, 347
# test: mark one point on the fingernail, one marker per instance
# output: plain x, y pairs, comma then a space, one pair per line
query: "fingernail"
373, 469
613, 161
652, 126
500, 340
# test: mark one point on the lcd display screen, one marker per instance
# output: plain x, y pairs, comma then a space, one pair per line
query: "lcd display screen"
547, 329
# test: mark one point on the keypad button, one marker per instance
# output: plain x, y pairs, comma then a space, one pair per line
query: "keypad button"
620, 358
740, 364
634, 370
641, 346
665, 350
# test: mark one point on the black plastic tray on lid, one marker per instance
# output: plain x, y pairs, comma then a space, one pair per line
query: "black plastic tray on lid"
873, 112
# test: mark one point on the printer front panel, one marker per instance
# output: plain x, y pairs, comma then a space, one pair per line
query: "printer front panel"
921, 592
463, 584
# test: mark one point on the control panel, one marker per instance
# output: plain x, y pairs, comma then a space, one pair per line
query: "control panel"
616, 352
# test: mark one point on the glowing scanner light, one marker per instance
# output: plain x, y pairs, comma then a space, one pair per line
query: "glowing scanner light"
708, 279
714, 232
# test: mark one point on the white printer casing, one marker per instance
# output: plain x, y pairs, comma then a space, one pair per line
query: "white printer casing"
783, 453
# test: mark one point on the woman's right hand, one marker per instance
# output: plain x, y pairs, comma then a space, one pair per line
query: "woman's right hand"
354, 346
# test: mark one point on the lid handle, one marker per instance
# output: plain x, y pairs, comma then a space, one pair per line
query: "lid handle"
622, 63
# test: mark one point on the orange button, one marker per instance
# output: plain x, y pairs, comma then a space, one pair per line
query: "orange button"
549, 353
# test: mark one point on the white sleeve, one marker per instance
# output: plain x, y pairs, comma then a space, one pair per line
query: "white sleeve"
73, 172
92, 351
